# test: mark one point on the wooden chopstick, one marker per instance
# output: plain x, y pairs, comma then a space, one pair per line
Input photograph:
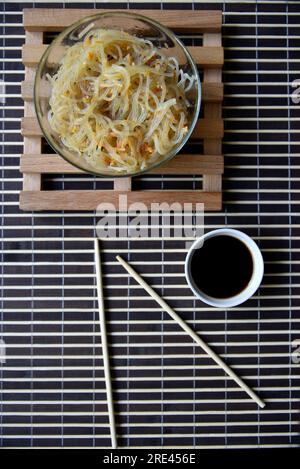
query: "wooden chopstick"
190, 331
105, 353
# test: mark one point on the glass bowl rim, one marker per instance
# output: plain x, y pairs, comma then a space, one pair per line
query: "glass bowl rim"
159, 26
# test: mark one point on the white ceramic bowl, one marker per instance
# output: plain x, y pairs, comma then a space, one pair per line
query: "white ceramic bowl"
255, 281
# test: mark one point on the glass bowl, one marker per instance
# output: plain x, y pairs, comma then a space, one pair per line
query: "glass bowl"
131, 23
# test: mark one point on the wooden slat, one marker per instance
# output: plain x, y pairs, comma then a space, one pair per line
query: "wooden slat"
209, 128
181, 164
27, 90
191, 164
41, 19
211, 92
32, 181
31, 55
89, 200
46, 164
123, 184
209, 57
212, 111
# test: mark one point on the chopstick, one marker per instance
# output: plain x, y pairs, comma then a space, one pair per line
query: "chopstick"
105, 346
190, 331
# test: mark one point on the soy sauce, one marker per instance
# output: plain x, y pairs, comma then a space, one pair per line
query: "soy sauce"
222, 267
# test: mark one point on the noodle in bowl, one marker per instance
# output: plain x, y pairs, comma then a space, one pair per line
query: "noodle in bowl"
119, 103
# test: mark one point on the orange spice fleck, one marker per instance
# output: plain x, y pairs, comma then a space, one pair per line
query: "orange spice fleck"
146, 148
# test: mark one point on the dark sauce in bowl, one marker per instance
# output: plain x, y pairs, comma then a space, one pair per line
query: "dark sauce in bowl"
222, 267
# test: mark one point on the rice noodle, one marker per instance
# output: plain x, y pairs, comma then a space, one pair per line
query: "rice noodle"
118, 102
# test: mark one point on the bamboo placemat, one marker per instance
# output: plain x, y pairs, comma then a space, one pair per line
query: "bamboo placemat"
167, 393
